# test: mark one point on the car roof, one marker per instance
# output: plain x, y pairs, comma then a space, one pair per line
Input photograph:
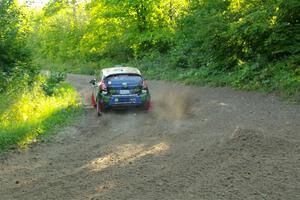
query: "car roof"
120, 70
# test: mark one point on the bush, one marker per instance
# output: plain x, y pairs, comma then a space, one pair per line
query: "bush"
50, 86
15, 57
30, 113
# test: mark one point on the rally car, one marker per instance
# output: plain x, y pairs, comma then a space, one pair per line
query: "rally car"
120, 87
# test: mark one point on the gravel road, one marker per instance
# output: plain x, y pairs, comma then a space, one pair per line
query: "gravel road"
197, 143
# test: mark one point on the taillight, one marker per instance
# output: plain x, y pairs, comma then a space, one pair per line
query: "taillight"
103, 86
145, 86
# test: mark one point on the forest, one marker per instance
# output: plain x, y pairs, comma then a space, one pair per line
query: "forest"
244, 44
250, 45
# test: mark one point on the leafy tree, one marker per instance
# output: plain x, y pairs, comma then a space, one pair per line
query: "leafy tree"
14, 56
253, 42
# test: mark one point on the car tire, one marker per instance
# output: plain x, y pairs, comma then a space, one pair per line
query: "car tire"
148, 106
100, 108
99, 113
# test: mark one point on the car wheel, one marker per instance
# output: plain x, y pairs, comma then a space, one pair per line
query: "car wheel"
148, 106
100, 108
99, 113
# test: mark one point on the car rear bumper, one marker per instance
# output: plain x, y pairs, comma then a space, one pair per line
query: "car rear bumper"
135, 100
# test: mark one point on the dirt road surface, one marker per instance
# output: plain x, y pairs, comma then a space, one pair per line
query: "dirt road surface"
196, 143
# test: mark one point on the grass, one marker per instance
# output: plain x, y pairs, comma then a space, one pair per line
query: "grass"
30, 114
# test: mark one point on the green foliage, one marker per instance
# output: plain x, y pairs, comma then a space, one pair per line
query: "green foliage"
14, 55
245, 44
75, 66
29, 105
119, 30
51, 85
28, 114
54, 6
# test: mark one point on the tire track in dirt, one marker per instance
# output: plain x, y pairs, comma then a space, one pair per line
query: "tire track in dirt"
196, 143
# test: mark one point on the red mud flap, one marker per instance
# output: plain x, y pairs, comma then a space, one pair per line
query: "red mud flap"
94, 101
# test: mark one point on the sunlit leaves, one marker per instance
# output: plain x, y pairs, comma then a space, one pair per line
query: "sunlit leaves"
54, 6
30, 113
222, 36
14, 54
58, 35
107, 28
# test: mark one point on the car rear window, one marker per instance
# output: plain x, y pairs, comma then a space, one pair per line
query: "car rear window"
124, 77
